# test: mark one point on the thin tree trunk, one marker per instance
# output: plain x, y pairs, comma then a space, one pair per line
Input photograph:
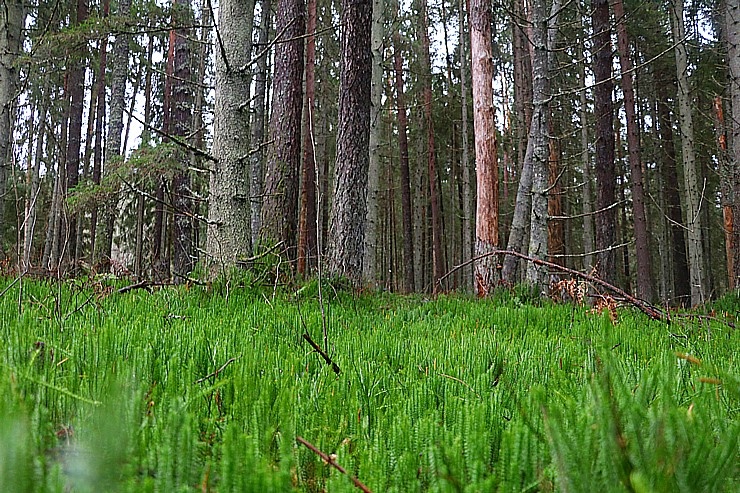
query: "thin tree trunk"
485, 147
691, 184
257, 123
644, 268
99, 121
606, 221
35, 180
403, 147
229, 236
588, 219
307, 241
732, 22
370, 263
467, 212
347, 224
726, 195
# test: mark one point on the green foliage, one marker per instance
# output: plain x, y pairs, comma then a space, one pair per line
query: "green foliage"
185, 389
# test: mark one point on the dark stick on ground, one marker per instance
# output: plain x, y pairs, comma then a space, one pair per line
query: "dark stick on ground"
322, 353
330, 460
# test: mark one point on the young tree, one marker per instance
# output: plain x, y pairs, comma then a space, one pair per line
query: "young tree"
280, 206
485, 147
347, 224
229, 234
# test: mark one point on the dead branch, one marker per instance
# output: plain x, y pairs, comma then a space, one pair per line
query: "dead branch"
215, 373
322, 353
330, 459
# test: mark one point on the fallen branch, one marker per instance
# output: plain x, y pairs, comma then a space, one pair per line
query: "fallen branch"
321, 352
215, 373
645, 307
330, 459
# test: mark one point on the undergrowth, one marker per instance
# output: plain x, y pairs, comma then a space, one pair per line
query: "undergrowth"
187, 389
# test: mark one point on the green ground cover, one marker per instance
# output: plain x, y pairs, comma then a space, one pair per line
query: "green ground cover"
121, 392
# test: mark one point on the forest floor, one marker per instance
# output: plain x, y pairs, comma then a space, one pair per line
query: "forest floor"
239, 388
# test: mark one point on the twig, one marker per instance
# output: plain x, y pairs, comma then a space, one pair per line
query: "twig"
458, 380
329, 459
322, 353
215, 373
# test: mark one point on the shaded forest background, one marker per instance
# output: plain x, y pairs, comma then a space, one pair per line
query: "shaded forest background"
395, 141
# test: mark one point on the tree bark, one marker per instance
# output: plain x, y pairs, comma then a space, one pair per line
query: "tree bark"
307, 241
606, 220
485, 146
587, 208
732, 22
644, 267
538, 136
467, 212
229, 236
691, 186
370, 263
347, 224
280, 207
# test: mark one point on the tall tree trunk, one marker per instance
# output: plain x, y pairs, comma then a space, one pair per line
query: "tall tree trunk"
370, 263
538, 136
485, 147
229, 236
522, 81
691, 186
257, 123
99, 120
76, 85
588, 219
347, 224
280, 206
606, 219
732, 22
726, 189
307, 241
467, 213
438, 261
183, 259
403, 148
11, 23
644, 268
34, 180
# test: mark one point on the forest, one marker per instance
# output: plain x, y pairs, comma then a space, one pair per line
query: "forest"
402, 146
369, 245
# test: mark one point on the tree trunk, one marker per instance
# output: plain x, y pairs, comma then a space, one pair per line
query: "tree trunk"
467, 213
347, 224
280, 208
733, 56
11, 24
644, 269
229, 236
606, 218
538, 136
485, 147
183, 259
35, 182
726, 189
691, 186
403, 148
99, 121
307, 240
257, 123
587, 208
370, 263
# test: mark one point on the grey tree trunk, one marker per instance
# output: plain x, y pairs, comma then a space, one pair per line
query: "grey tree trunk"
370, 263
32, 196
348, 214
588, 219
229, 233
538, 137
692, 200
11, 22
